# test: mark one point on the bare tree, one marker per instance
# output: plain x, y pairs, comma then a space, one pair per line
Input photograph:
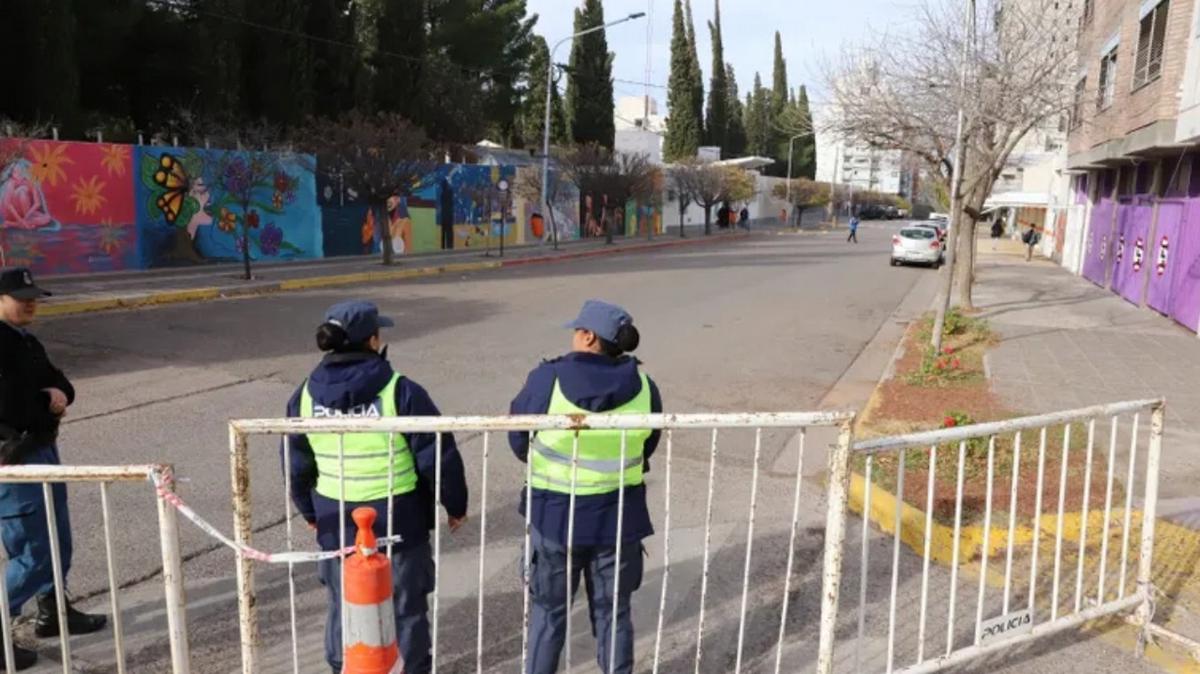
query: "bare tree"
805, 194
706, 183
681, 179
613, 179
903, 93
380, 157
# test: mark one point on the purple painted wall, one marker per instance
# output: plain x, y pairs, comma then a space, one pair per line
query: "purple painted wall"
1095, 254
1184, 258
1160, 264
1129, 264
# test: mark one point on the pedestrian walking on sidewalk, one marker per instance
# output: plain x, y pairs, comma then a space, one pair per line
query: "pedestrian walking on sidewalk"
355, 379
744, 218
1031, 237
34, 397
598, 376
853, 229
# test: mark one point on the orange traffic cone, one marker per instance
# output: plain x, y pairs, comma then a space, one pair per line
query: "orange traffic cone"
370, 638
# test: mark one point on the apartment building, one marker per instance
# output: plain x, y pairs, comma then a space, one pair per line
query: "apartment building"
1134, 136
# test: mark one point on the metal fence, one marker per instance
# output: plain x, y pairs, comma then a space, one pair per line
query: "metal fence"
698, 439
156, 477
1076, 547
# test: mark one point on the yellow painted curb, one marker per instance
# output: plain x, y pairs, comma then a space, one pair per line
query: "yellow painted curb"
1176, 566
375, 276
108, 304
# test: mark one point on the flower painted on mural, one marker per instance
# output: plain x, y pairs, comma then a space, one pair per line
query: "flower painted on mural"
88, 195
114, 159
228, 220
22, 204
239, 244
1164, 255
237, 178
1120, 249
270, 240
252, 219
48, 162
111, 237
277, 201
1139, 254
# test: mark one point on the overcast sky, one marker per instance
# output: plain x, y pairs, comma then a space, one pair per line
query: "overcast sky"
812, 30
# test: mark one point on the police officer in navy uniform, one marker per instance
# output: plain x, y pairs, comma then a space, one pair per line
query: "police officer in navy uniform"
355, 379
598, 376
34, 396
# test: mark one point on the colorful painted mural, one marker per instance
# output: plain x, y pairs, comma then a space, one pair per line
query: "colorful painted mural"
193, 205
89, 207
68, 207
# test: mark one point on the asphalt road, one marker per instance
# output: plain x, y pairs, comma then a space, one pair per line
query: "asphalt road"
767, 324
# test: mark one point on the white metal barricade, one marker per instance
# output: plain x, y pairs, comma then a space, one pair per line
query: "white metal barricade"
1105, 531
158, 477
712, 427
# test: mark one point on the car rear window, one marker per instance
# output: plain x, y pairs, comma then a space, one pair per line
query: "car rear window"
918, 233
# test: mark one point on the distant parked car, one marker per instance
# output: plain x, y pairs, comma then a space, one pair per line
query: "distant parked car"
892, 212
872, 212
917, 245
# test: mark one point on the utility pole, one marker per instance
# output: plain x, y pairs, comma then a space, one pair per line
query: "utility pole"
956, 179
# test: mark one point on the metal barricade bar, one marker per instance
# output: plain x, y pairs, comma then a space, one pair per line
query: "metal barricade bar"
669, 424
1063, 609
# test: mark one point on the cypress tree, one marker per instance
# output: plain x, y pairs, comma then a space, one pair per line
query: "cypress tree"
735, 134
697, 75
533, 113
717, 114
589, 85
683, 127
806, 146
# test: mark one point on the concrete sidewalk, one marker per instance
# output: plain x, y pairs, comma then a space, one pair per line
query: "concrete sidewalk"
76, 294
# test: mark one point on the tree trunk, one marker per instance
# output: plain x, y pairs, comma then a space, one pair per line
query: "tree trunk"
707, 220
385, 234
608, 226
682, 213
246, 250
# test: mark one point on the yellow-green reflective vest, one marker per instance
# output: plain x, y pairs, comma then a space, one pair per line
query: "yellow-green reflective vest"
365, 455
600, 470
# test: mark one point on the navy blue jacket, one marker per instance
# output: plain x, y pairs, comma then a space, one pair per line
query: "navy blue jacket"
596, 383
342, 381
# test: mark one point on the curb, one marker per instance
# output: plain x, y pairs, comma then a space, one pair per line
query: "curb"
204, 294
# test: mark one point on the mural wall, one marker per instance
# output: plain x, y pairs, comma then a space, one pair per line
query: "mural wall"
68, 207
193, 205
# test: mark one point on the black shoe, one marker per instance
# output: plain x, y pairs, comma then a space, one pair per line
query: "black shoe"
46, 622
23, 658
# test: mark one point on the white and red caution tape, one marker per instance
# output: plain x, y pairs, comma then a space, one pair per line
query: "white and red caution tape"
164, 480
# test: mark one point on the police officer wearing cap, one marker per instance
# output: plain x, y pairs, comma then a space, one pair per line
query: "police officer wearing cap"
598, 376
355, 379
34, 396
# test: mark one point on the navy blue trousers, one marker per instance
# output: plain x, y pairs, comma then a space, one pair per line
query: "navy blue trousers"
548, 590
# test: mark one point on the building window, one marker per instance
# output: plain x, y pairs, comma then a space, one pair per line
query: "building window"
1077, 104
1108, 80
1152, 32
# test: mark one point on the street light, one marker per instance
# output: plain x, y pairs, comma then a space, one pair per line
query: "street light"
546, 127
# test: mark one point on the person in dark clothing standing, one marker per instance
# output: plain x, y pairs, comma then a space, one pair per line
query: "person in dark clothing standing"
34, 396
598, 376
355, 379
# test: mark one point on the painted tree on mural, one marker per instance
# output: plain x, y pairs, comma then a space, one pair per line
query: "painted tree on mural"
381, 157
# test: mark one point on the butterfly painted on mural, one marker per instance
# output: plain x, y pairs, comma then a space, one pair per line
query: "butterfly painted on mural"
173, 178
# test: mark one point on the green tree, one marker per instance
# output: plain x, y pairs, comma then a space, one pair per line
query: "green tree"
533, 108
397, 59
758, 120
735, 135
697, 74
806, 147
334, 68
277, 67
683, 126
222, 36
589, 82
41, 76
717, 114
779, 80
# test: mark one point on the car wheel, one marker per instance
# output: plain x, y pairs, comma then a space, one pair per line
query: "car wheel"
895, 262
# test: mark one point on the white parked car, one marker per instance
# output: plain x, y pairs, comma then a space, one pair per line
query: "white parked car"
917, 245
